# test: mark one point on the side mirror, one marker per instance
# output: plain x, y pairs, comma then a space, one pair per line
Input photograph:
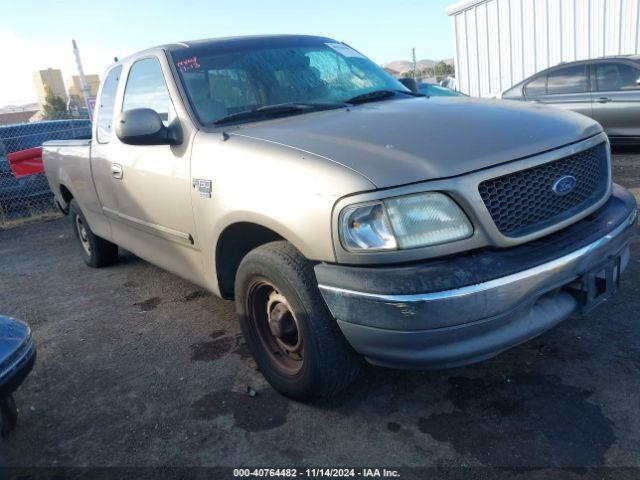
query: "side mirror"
143, 126
410, 83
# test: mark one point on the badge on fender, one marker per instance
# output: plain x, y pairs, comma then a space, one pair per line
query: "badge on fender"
203, 186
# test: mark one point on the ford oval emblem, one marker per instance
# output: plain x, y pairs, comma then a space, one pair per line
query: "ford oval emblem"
564, 185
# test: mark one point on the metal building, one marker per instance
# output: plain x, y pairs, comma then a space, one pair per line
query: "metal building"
497, 43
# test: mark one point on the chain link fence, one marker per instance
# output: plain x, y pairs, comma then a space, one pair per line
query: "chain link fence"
29, 197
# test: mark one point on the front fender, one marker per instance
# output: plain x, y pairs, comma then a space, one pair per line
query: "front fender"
289, 192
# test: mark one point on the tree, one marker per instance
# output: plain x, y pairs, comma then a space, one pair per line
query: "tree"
54, 107
443, 69
427, 72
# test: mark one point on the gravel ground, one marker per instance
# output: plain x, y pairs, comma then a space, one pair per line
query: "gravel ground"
139, 368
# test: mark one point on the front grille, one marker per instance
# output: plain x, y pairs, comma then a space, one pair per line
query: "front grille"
524, 202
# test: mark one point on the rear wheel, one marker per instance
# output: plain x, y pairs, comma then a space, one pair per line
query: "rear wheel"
97, 252
288, 328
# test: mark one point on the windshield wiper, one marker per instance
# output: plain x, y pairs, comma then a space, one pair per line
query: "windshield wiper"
376, 95
371, 96
290, 108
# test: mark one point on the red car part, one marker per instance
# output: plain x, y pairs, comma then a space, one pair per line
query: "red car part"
26, 162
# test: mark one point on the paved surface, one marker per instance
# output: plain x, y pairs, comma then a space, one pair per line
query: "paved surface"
137, 367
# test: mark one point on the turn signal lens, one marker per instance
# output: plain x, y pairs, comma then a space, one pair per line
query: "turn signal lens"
366, 227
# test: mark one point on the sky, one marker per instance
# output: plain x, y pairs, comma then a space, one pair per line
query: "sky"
37, 34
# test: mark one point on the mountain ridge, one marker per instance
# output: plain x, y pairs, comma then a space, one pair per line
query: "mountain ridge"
402, 66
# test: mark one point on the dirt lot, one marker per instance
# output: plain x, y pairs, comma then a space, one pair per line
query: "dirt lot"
137, 367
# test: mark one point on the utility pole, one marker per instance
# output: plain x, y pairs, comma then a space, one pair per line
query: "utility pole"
84, 86
415, 65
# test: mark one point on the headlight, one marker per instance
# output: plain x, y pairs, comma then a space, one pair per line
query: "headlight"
366, 227
410, 221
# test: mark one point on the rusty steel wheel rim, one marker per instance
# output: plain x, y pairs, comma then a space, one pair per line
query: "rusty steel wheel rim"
83, 235
276, 326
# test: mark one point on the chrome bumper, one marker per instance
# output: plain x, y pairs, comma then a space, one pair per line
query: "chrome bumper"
473, 322
484, 299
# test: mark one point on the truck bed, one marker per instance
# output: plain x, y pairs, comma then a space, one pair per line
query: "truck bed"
68, 163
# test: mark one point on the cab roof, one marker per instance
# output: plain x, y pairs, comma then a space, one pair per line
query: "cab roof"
230, 43
261, 40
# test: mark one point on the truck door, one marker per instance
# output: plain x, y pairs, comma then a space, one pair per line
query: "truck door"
101, 147
152, 182
616, 98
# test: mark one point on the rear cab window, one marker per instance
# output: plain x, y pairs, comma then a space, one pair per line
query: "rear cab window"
104, 121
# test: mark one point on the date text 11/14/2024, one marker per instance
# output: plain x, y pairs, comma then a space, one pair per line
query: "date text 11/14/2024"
316, 472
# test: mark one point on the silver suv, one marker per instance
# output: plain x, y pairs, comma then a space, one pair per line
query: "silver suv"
605, 89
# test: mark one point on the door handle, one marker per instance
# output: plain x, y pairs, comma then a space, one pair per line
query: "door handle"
603, 100
535, 101
116, 171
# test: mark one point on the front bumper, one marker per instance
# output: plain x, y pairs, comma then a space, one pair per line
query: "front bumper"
464, 309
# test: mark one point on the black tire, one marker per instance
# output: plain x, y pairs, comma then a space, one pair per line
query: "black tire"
328, 364
96, 252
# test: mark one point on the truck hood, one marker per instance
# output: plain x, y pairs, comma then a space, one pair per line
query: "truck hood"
404, 141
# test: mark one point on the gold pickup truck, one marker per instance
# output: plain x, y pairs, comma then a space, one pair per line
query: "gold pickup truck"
347, 216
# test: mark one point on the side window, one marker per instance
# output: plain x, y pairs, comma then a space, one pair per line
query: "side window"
536, 87
567, 80
611, 77
146, 88
107, 102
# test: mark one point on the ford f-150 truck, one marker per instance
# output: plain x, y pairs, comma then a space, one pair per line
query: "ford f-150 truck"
346, 216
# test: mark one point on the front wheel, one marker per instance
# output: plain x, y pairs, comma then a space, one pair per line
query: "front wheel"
97, 252
288, 328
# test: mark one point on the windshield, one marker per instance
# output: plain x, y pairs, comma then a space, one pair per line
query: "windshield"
222, 81
437, 91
